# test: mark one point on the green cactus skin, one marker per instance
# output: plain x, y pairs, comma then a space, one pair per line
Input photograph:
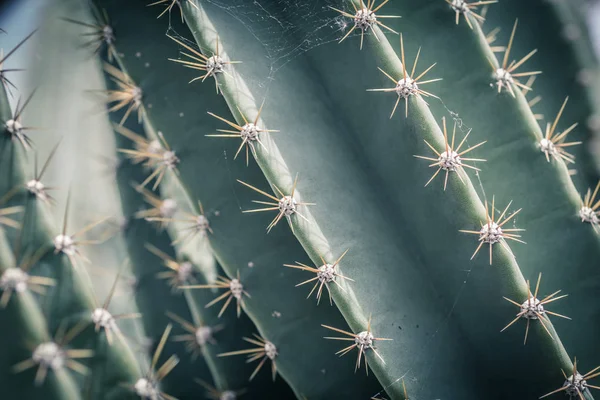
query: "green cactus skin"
153, 295
562, 36
66, 304
376, 149
25, 323
228, 374
517, 170
405, 248
234, 240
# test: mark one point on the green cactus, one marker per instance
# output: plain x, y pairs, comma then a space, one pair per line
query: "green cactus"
576, 76
275, 185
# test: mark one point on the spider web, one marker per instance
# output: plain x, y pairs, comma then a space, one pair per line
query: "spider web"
312, 23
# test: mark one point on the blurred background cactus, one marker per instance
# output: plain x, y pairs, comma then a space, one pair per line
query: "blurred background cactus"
350, 199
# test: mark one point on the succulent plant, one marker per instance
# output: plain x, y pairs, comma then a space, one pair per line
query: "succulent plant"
225, 196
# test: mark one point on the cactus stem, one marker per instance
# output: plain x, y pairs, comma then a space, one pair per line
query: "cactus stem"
466, 9
576, 385
128, 95
101, 33
286, 204
505, 75
451, 159
249, 133
178, 274
214, 394
5, 81
234, 290
197, 336
552, 145
407, 85
492, 232
326, 274
265, 350
364, 341
52, 355
533, 308
212, 65
170, 6
365, 18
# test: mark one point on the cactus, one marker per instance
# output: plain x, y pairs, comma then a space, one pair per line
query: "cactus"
263, 199
577, 76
